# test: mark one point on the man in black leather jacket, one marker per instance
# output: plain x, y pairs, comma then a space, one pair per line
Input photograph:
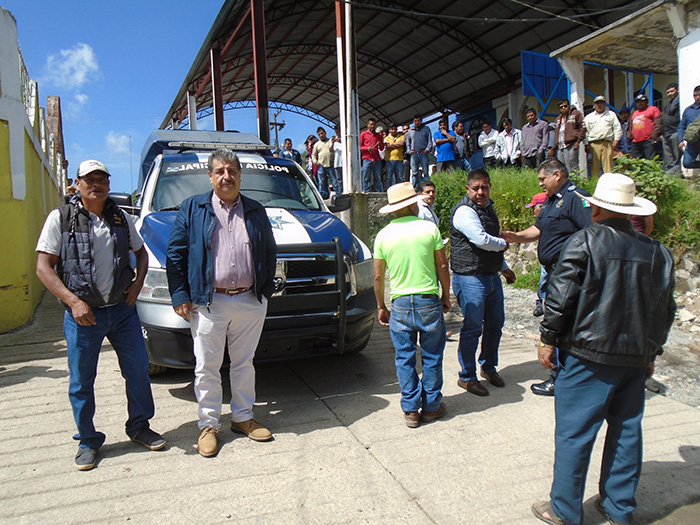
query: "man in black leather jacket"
609, 309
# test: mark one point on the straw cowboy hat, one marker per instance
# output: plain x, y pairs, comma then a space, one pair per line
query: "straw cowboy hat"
615, 192
400, 195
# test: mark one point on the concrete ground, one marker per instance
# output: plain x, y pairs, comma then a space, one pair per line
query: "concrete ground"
341, 453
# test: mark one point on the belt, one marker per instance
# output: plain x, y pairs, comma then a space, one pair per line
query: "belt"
421, 295
232, 291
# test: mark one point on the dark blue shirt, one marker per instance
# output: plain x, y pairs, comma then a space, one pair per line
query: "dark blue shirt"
562, 214
291, 155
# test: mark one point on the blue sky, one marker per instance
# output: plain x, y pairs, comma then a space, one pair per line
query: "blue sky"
117, 67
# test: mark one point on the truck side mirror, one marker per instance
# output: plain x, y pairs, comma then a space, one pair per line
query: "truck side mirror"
340, 202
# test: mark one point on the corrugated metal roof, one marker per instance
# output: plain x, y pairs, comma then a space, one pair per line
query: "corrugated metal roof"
412, 56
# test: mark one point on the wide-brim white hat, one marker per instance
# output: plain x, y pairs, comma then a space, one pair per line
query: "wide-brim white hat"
400, 196
616, 192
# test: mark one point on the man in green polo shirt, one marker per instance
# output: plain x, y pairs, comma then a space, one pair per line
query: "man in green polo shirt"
411, 249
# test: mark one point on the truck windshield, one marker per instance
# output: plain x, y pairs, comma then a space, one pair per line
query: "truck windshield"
273, 185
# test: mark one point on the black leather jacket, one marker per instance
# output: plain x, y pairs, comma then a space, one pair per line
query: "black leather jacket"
610, 298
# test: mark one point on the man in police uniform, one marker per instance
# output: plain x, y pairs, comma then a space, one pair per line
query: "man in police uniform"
562, 214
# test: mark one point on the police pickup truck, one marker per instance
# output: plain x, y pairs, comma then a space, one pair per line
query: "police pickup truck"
324, 300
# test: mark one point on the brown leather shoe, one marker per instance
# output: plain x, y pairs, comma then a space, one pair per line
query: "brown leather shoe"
435, 414
207, 444
473, 387
493, 378
412, 419
252, 429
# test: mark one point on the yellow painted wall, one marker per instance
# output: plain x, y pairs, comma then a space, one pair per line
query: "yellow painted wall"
20, 290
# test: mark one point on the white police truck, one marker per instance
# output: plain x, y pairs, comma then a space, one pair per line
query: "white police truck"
324, 300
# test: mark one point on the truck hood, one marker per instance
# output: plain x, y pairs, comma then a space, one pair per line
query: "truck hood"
288, 227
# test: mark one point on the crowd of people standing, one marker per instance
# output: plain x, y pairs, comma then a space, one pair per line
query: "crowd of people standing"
404, 153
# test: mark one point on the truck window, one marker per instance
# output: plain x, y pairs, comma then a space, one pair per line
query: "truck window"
273, 185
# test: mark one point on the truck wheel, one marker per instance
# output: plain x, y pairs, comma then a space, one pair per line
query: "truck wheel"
154, 370
357, 347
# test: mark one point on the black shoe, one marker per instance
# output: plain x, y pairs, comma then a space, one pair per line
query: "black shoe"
149, 439
494, 378
538, 311
543, 389
86, 458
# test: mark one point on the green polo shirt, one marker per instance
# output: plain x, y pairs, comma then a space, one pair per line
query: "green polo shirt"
408, 247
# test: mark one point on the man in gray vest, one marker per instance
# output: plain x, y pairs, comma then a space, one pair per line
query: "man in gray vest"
476, 261
84, 261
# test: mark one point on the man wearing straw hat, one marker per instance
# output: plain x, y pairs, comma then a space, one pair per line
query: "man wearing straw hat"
609, 309
411, 249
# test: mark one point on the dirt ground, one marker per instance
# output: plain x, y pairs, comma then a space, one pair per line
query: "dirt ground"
677, 374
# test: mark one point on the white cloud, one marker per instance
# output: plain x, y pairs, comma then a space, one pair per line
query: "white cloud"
81, 98
117, 144
72, 68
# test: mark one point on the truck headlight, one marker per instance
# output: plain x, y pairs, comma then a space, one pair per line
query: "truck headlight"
155, 287
362, 276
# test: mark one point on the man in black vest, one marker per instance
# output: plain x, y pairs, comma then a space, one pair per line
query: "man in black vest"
476, 261
83, 259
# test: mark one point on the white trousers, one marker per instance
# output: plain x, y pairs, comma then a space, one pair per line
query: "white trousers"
238, 319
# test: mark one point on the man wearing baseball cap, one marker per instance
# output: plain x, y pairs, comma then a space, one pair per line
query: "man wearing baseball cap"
603, 134
609, 310
645, 128
83, 259
411, 249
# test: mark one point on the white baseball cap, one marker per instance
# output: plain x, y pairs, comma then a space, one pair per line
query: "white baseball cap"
88, 166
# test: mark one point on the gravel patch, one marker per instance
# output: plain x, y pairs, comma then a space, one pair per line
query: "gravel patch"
677, 373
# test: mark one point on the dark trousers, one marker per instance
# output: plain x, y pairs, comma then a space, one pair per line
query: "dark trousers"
643, 150
589, 393
534, 161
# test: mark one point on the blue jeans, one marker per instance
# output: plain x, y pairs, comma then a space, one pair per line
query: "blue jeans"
462, 163
481, 300
322, 176
336, 179
412, 315
394, 172
418, 160
121, 326
589, 393
371, 169
542, 284
690, 155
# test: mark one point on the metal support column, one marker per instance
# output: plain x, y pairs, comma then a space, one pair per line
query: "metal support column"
217, 90
192, 110
342, 87
573, 67
351, 172
260, 67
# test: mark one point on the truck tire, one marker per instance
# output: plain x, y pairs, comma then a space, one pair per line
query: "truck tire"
356, 348
154, 370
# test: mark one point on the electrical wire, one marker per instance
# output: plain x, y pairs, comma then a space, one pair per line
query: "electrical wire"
570, 18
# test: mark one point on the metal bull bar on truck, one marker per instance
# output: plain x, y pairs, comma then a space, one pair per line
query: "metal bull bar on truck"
314, 292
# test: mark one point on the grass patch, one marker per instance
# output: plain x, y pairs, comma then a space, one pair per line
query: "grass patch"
677, 221
529, 280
